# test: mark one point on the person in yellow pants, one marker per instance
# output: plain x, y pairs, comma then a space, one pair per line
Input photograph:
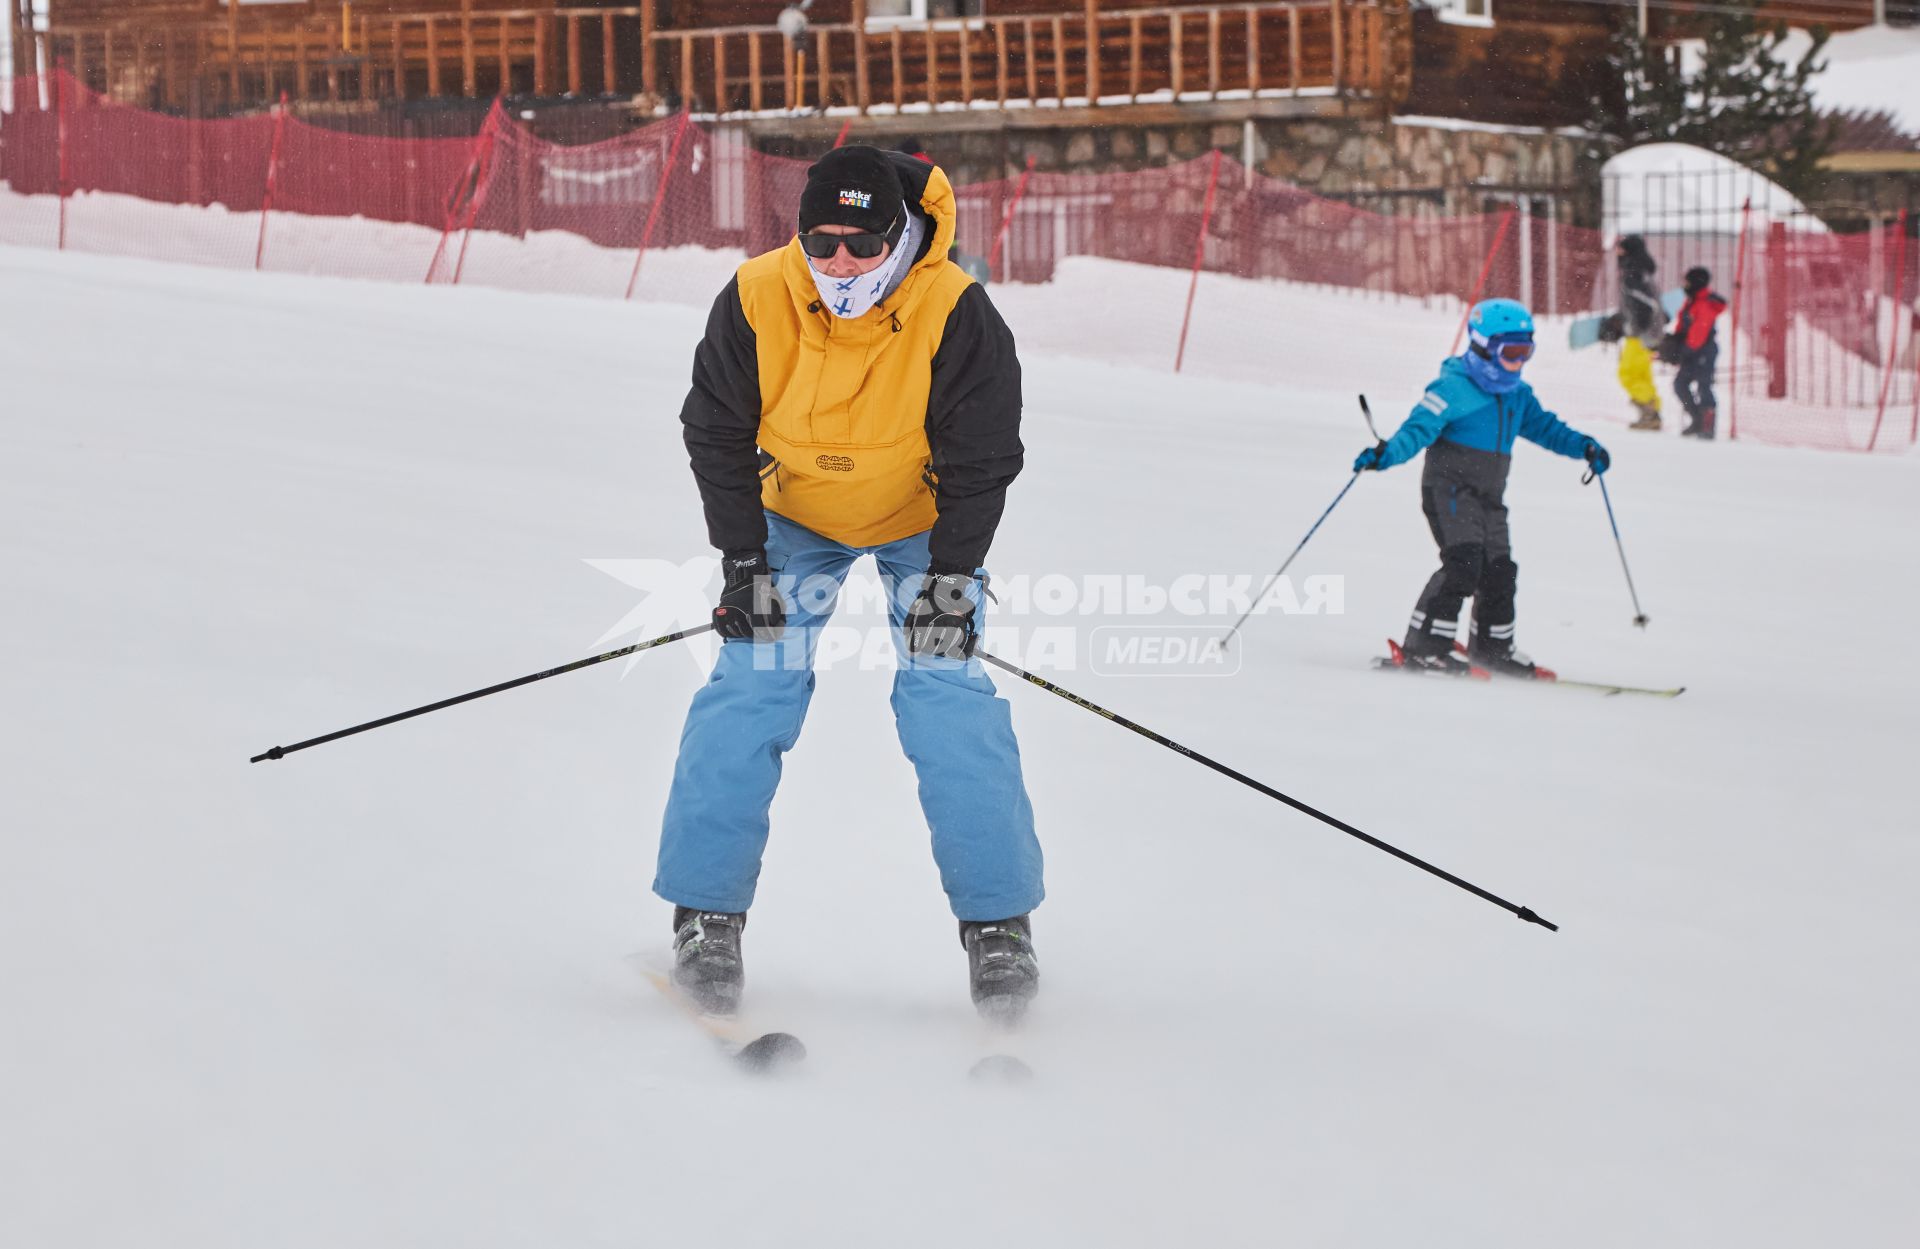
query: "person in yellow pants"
1636, 375
1638, 328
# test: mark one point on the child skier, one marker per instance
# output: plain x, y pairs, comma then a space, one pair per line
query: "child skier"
1692, 346
1467, 422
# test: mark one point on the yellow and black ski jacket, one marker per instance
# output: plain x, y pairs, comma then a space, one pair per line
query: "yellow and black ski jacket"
866, 430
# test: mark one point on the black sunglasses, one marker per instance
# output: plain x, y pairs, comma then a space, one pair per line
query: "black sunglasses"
860, 246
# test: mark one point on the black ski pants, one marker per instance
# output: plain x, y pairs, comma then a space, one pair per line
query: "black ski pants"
1693, 384
1476, 561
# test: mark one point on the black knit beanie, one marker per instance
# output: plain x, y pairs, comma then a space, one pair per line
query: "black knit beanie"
1634, 255
852, 186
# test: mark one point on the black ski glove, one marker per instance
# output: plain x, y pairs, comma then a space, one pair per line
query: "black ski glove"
1596, 455
940, 622
749, 607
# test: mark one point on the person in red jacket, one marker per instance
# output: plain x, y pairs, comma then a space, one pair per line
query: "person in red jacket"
1692, 346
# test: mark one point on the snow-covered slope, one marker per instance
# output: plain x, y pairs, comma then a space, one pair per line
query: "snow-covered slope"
1252, 331
374, 994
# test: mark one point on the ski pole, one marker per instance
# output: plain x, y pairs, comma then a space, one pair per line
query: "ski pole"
281, 752
1639, 617
1520, 912
1228, 636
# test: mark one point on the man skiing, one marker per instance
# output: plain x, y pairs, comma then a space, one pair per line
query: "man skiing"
855, 394
1467, 422
1692, 346
1637, 327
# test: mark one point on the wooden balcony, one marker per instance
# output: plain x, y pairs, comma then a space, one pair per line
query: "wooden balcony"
1081, 58
1084, 57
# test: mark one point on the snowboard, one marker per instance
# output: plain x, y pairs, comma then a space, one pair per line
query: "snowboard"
1585, 331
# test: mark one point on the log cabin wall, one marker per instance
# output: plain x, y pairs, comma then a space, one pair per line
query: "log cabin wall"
1835, 15
726, 55
1537, 64
1533, 64
211, 56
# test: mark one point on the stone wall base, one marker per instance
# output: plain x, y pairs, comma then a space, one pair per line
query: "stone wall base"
1386, 165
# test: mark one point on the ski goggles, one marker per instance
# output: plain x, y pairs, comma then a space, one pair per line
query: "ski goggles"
862, 246
1512, 351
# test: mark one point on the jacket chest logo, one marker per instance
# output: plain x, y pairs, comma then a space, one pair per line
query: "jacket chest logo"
835, 463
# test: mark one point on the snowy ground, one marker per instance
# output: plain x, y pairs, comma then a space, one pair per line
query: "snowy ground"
1245, 331
374, 994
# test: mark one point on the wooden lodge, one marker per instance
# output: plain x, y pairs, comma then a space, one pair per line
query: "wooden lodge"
718, 55
1524, 61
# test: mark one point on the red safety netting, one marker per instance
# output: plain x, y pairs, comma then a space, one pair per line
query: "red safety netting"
61, 144
1820, 348
1260, 227
1829, 337
628, 203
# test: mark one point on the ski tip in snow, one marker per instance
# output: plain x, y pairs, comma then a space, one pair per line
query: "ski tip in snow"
770, 1054
1001, 1069
1610, 691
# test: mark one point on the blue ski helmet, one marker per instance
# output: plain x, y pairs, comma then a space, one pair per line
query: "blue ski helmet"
1492, 318
1496, 327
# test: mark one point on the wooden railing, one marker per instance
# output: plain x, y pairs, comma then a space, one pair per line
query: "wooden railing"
1292, 46
1083, 57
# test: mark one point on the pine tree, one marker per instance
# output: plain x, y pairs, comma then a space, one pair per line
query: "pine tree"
1742, 97
1643, 101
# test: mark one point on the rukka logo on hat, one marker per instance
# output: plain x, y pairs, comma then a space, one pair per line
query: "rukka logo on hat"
856, 199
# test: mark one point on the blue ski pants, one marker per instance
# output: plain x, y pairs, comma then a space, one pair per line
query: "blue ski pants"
956, 731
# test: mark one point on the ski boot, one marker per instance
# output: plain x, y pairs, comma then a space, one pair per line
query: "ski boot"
1505, 661
1423, 652
1001, 968
1649, 416
1705, 432
706, 958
